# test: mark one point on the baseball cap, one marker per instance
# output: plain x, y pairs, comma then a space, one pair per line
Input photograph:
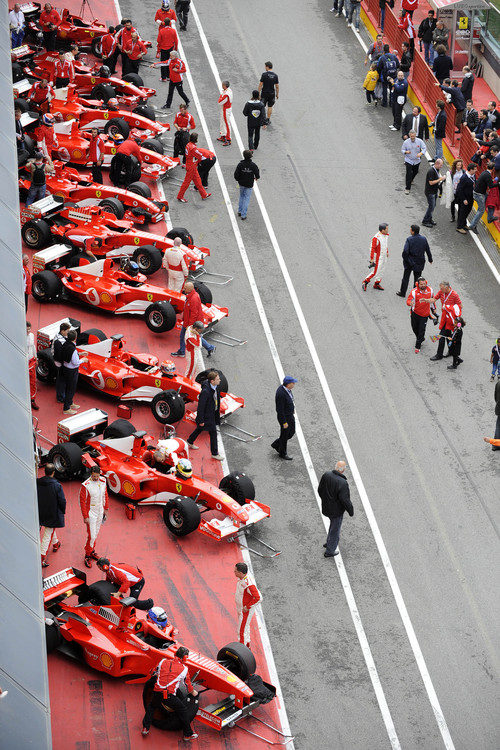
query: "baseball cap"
288, 379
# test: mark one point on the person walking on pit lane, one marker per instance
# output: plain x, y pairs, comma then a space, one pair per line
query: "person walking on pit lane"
245, 174
387, 67
225, 103
495, 361
333, 490
455, 343
51, 511
194, 359
193, 158
421, 310
433, 185
94, 505
247, 597
269, 89
379, 253
451, 309
285, 411
182, 7
414, 252
413, 149
415, 121
208, 414
254, 111
192, 312
176, 70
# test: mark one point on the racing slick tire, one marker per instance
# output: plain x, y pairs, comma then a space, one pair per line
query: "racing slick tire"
21, 104
153, 144
160, 317
239, 486
186, 237
91, 336
140, 188
168, 407
95, 46
17, 73
46, 371
30, 145
117, 125
224, 385
134, 78
181, 516
166, 718
238, 659
46, 286
204, 292
36, 234
103, 91
145, 110
67, 460
118, 429
53, 637
113, 206
148, 258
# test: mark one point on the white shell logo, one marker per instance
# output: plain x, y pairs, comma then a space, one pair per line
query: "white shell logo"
114, 483
97, 379
92, 296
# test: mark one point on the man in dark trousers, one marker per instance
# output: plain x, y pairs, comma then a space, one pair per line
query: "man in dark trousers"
335, 497
416, 121
285, 411
414, 252
255, 112
51, 511
208, 413
458, 100
433, 181
464, 196
269, 89
497, 412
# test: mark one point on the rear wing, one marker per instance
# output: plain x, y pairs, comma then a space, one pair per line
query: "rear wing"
62, 583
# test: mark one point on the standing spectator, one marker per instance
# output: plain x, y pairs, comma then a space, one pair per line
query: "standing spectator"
165, 13
49, 21
175, 264
245, 174
38, 185
457, 99
226, 104
451, 309
375, 50
493, 116
192, 312
382, 4
415, 121
183, 11
70, 364
471, 116
255, 112
333, 490
442, 64
135, 49
493, 197
413, 149
406, 59
355, 11
467, 84
285, 411
464, 197
207, 161
167, 42
495, 361
208, 413
379, 253
440, 36
425, 34
456, 172
26, 280
177, 68
370, 83
439, 126
57, 345
194, 359
269, 89
408, 7
193, 158
421, 310
94, 505
247, 597
399, 95
414, 252
51, 511
109, 50
183, 123
16, 24
433, 185
30, 343
482, 124
96, 154
455, 344
387, 67
483, 183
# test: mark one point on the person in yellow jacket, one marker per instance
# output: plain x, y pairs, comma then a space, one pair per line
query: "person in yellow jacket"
370, 83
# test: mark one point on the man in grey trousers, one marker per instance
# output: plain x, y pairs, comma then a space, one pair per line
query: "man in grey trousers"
335, 497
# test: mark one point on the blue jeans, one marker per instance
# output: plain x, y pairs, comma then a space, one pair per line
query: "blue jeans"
347, 8
354, 14
17, 38
438, 142
332, 540
382, 18
496, 368
431, 205
245, 195
35, 193
182, 342
481, 204
429, 53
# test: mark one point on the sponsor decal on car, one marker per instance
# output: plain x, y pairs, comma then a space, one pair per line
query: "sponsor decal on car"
128, 488
111, 384
106, 660
178, 487
106, 298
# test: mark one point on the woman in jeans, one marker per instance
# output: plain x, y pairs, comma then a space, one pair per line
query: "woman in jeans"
457, 170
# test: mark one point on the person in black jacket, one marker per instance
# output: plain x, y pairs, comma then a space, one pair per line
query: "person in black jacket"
467, 83
285, 411
208, 413
443, 64
457, 99
415, 121
335, 497
433, 185
463, 197
425, 32
439, 126
455, 346
255, 112
51, 510
414, 252
471, 116
245, 174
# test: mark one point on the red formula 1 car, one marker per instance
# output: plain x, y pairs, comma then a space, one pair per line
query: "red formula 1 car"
118, 640
49, 220
105, 285
132, 376
144, 471
133, 204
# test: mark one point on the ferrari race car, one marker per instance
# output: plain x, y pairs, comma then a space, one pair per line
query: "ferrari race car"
121, 641
131, 376
106, 285
147, 472
93, 228
133, 204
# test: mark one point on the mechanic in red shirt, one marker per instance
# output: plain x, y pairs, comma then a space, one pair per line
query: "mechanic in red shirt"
129, 579
177, 68
206, 163
123, 37
40, 94
183, 123
130, 148
421, 310
165, 12
170, 673
192, 312
166, 42
193, 157
109, 50
46, 139
135, 51
63, 72
96, 154
49, 21
451, 309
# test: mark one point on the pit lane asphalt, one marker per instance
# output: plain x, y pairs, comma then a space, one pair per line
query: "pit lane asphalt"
331, 171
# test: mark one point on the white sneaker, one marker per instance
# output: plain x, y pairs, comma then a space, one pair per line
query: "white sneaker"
218, 457
194, 447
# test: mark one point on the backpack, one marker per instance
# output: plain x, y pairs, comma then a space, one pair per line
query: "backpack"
390, 67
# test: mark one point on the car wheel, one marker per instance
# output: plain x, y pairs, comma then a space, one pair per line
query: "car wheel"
160, 317
118, 429
148, 258
181, 516
95, 46
103, 92
134, 78
238, 659
238, 486
46, 286
168, 407
140, 188
113, 206
46, 371
36, 234
53, 637
153, 144
202, 376
91, 336
186, 237
145, 110
204, 292
117, 126
67, 460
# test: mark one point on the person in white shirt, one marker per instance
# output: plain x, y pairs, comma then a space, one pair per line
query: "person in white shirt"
16, 23
31, 365
70, 364
176, 266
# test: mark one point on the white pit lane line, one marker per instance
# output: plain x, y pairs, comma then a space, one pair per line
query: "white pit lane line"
405, 617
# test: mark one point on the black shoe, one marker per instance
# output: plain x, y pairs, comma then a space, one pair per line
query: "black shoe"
243, 218
452, 367
473, 229
286, 457
239, 213
459, 361
209, 354
400, 294
328, 554
433, 223
495, 448
166, 106
435, 358
275, 447
447, 354
324, 545
427, 224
